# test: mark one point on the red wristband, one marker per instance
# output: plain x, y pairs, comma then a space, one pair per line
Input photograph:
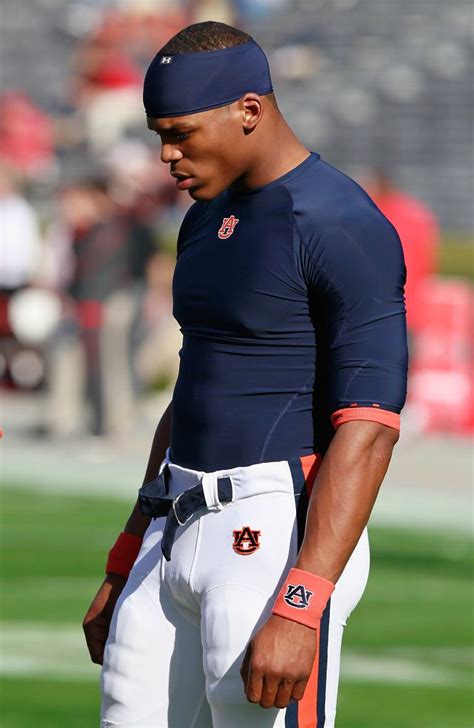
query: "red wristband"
303, 598
123, 554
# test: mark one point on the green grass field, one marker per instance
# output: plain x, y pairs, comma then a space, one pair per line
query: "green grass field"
408, 647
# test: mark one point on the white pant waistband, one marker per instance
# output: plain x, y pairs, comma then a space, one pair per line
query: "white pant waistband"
247, 481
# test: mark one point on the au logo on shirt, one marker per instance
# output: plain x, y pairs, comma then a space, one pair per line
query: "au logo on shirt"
246, 541
166, 60
227, 227
297, 596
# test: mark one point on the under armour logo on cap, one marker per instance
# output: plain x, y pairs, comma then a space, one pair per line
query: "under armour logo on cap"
166, 59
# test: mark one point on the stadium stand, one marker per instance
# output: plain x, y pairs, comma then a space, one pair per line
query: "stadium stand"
365, 82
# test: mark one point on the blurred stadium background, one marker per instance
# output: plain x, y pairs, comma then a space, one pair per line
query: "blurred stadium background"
88, 221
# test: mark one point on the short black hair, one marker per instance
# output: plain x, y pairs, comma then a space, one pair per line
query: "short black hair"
207, 36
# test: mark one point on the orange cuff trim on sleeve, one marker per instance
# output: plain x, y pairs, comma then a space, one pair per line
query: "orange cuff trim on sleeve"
123, 554
303, 598
370, 414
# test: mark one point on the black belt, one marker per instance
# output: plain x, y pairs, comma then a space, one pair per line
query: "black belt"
155, 501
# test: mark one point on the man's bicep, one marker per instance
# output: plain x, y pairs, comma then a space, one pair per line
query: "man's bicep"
359, 277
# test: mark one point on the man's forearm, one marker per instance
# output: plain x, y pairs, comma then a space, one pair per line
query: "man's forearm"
345, 491
138, 523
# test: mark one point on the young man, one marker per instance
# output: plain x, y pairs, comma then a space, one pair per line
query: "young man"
289, 292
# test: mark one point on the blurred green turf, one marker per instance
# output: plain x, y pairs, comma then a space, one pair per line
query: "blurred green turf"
456, 256
61, 539
48, 704
373, 705
418, 607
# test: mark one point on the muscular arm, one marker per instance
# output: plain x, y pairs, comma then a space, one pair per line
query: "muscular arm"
346, 488
280, 657
97, 620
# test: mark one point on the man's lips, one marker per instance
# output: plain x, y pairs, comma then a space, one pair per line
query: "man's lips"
183, 182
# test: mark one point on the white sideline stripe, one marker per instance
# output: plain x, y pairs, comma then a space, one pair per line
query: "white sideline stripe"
360, 667
45, 651
32, 650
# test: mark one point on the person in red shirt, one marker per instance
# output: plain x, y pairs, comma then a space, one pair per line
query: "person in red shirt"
418, 230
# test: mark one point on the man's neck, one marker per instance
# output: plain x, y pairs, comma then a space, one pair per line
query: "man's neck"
279, 151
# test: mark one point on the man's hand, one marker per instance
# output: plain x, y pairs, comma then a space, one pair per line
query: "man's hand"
278, 662
97, 620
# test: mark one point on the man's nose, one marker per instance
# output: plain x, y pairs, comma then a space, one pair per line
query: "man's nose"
170, 153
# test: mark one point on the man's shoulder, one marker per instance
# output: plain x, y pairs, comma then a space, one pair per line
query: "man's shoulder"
324, 193
326, 200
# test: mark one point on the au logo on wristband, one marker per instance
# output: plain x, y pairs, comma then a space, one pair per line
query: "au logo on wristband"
298, 596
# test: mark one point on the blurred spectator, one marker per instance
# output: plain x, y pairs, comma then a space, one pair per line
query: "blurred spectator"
19, 256
156, 355
143, 189
19, 235
139, 183
110, 252
132, 171
418, 230
26, 136
109, 71
110, 249
440, 387
108, 92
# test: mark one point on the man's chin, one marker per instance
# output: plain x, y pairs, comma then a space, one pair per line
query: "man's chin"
202, 193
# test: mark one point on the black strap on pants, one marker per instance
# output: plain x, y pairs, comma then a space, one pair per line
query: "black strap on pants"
155, 501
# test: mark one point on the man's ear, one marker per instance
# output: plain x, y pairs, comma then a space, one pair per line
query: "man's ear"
252, 111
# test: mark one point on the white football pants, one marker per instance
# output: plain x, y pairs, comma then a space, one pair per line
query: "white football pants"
180, 628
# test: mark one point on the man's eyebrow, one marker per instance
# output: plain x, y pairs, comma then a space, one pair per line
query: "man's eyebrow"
175, 128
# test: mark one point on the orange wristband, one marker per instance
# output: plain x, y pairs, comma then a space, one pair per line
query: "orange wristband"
123, 554
303, 598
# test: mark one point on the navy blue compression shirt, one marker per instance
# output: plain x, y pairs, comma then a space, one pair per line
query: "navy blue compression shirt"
290, 301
